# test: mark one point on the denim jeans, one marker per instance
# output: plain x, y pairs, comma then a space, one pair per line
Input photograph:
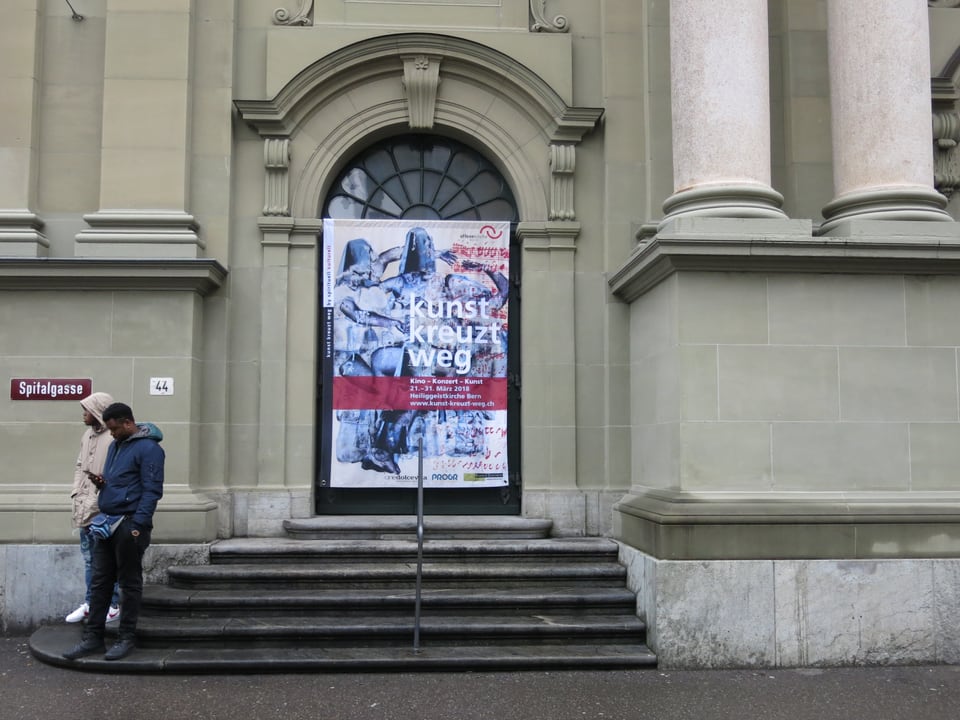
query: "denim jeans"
86, 549
117, 559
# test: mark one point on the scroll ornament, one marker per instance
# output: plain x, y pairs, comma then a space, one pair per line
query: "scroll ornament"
538, 10
282, 16
276, 157
946, 159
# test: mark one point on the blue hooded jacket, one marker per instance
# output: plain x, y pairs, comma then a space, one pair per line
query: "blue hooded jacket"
133, 476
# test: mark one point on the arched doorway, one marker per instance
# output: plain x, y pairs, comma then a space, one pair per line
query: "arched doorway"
427, 177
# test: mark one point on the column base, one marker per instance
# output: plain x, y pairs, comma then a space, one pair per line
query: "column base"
146, 233
912, 203
21, 236
724, 200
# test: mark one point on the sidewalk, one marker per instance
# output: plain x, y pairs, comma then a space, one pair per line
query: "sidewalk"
31, 690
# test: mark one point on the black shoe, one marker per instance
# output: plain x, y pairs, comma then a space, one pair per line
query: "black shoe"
87, 646
120, 649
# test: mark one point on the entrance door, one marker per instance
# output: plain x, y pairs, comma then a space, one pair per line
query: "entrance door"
425, 177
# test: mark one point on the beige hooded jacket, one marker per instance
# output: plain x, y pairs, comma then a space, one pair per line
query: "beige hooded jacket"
93, 454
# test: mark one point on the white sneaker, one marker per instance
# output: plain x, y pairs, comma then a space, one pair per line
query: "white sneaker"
79, 614
113, 613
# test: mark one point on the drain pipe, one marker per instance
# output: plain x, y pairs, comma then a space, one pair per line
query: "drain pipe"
416, 606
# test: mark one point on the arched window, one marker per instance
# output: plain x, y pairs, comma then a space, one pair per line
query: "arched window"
420, 178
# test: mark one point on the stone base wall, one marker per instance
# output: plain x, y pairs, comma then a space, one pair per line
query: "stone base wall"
797, 613
574, 513
40, 584
261, 513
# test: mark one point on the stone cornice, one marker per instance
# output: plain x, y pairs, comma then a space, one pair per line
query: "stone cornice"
728, 245
202, 276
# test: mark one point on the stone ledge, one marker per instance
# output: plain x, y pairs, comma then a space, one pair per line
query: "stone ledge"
729, 526
783, 246
30, 515
202, 275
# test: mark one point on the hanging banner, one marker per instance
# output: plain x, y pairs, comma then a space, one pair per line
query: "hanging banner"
415, 348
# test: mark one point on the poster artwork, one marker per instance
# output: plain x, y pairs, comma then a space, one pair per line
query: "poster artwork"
415, 348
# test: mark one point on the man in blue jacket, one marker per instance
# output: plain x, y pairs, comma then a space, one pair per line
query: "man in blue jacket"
131, 485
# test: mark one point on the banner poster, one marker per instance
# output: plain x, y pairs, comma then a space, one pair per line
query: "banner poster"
415, 348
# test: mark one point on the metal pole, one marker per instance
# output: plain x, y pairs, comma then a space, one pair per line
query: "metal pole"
416, 611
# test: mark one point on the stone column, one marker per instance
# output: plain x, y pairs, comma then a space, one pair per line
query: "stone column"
880, 102
719, 72
145, 159
20, 36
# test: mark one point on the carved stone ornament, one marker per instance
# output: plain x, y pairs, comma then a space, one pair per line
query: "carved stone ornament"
421, 78
946, 158
563, 162
538, 10
276, 191
282, 16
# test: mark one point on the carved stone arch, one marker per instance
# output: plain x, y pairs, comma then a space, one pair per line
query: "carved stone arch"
481, 95
311, 185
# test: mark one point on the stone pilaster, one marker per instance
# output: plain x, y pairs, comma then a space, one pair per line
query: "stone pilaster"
721, 110
289, 261
549, 426
145, 160
880, 100
21, 37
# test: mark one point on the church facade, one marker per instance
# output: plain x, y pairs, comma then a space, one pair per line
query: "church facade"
734, 284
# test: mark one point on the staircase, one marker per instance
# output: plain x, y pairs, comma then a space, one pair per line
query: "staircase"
338, 594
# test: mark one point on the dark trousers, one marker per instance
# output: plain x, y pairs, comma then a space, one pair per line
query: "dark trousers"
119, 559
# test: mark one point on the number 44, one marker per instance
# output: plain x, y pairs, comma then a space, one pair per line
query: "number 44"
161, 386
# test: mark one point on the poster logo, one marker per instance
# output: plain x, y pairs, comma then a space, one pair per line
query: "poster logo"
491, 232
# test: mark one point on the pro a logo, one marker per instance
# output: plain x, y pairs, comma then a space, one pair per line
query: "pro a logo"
491, 232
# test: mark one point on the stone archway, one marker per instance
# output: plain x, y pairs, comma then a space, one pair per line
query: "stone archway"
424, 83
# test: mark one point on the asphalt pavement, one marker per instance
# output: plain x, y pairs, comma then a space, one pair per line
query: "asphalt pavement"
32, 690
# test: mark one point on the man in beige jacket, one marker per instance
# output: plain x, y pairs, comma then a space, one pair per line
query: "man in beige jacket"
93, 453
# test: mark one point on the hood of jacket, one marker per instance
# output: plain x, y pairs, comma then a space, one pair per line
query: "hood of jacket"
147, 430
96, 403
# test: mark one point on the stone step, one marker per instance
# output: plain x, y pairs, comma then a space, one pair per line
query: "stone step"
393, 575
288, 550
404, 527
48, 644
386, 630
338, 594
165, 600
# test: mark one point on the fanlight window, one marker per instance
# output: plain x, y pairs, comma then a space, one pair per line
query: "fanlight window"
420, 178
